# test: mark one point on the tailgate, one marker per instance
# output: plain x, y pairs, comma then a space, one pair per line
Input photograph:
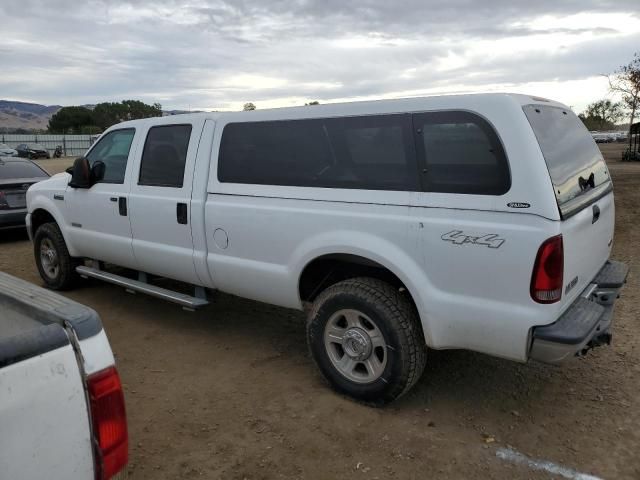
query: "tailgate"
587, 237
583, 192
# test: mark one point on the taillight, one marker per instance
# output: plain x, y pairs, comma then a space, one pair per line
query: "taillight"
546, 281
109, 422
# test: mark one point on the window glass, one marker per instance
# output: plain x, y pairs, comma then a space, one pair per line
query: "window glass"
11, 170
164, 156
113, 149
372, 152
568, 149
462, 154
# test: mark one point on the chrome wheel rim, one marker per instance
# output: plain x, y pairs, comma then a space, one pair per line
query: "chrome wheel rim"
49, 259
355, 346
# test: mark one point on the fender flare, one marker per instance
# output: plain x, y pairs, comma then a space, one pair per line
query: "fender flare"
46, 204
376, 249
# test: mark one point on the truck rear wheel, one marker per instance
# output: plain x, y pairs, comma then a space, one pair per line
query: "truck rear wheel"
56, 267
365, 337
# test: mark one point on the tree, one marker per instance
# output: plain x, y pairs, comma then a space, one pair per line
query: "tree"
602, 115
71, 120
248, 107
110, 113
315, 102
626, 81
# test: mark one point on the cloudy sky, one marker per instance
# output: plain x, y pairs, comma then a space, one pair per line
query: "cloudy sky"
208, 54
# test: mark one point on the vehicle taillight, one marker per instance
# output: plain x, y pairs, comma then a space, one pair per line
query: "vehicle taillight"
546, 281
109, 422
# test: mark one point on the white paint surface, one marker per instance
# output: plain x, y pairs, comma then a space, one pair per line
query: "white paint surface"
518, 458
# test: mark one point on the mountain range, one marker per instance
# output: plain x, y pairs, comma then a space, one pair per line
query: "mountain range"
25, 116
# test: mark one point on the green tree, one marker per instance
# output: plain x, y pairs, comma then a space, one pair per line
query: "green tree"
71, 120
626, 81
110, 113
248, 107
602, 115
315, 102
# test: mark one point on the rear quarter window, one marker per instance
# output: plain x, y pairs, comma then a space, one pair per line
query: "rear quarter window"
462, 154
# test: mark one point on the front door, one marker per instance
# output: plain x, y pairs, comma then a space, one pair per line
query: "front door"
160, 201
98, 216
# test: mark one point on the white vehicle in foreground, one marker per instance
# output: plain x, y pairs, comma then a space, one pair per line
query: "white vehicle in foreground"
481, 222
61, 403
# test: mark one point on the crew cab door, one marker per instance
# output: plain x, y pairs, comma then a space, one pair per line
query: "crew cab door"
98, 218
160, 201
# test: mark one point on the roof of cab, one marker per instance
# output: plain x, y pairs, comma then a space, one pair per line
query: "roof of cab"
401, 105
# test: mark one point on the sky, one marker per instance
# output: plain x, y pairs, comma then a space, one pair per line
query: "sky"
217, 55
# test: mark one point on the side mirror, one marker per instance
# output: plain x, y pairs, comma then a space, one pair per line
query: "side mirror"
80, 173
97, 172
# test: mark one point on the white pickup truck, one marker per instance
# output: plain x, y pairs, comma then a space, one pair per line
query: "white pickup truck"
62, 410
482, 222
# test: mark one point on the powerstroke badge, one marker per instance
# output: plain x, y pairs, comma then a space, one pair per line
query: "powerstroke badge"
458, 237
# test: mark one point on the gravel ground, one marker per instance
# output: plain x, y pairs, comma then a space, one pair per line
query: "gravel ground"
229, 391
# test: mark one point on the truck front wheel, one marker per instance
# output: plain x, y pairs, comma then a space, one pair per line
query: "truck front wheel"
365, 337
56, 267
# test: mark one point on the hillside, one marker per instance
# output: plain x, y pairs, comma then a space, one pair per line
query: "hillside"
27, 116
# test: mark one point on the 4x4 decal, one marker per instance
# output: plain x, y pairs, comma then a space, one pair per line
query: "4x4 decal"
458, 237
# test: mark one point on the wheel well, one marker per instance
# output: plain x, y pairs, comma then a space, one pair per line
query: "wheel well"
328, 270
40, 217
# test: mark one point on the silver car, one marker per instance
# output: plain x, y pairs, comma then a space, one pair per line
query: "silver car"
16, 176
6, 151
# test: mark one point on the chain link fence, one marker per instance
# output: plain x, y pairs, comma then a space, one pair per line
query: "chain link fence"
72, 145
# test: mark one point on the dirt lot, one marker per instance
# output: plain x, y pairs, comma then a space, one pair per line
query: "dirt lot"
229, 391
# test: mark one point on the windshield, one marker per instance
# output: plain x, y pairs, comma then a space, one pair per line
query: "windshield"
573, 159
11, 170
36, 146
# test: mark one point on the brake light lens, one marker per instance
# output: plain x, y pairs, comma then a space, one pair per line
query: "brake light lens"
109, 422
548, 269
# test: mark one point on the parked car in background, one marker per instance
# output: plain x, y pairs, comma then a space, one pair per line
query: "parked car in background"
6, 151
62, 411
32, 150
16, 176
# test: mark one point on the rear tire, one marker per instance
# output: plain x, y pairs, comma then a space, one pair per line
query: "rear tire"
366, 339
56, 267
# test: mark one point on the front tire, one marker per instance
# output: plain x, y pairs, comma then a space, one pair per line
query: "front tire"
366, 339
56, 267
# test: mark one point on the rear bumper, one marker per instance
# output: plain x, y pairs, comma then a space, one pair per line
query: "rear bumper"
586, 323
12, 218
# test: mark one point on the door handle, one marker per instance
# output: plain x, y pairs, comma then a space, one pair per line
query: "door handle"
181, 213
122, 206
114, 199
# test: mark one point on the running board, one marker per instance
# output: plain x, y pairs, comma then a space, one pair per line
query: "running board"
187, 301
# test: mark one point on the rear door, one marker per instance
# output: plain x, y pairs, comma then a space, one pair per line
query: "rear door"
583, 191
160, 201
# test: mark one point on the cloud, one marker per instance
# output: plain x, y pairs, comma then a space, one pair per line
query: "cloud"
219, 54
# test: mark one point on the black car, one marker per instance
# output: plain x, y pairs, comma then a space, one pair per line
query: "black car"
16, 176
32, 150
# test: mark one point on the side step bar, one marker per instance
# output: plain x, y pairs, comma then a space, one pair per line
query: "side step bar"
186, 301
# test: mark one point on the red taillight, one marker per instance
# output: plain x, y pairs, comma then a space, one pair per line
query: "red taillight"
109, 422
546, 281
